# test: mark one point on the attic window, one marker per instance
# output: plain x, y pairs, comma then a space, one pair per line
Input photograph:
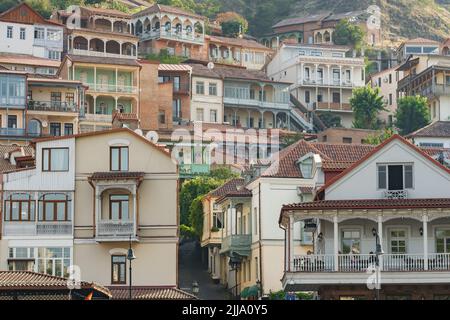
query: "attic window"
306, 167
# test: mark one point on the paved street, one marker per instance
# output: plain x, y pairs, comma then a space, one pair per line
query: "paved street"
191, 269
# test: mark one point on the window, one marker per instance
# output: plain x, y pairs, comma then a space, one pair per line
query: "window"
336, 75
306, 167
176, 83
213, 116
161, 117
53, 35
395, 177
217, 220
119, 158
390, 77
39, 33
70, 99
390, 99
54, 207
68, 129
307, 73
442, 240
55, 98
398, 241
347, 75
22, 33
430, 49
213, 89
55, 129
351, 241
119, 207
55, 159
336, 97
199, 114
200, 87
347, 140
307, 96
21, 259
118, 269
54, 55
12, 121
9, 32
54, 261
19, 207
320, 74
255, 219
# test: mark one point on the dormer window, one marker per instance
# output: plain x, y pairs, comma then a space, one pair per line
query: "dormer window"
306, 166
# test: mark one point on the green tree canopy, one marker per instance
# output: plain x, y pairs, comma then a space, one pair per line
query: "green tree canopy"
366, 104
347, 33
412, 114
378, 138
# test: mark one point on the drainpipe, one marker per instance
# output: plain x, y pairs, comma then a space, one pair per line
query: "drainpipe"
260, 237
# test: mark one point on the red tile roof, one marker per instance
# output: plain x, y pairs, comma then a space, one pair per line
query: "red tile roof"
150, 293
167, 9
245, 43
227, 187
116, 175
436, 129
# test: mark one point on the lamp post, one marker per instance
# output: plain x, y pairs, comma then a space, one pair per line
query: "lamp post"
378, 253
130, 258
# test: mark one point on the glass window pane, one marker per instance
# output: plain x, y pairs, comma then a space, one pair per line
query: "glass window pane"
125, 210
115, 210
59, 159
45, 158
61, 211
408, 176
114, 159
15, 211
49, 211
58, 268
124, 159
381, 177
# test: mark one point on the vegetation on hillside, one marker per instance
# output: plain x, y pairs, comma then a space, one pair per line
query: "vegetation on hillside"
412, 114
367, 103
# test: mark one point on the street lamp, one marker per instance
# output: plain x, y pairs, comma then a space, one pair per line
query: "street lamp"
378, 253
195, 288
130, 257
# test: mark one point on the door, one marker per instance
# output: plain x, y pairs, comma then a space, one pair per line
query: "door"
395, 174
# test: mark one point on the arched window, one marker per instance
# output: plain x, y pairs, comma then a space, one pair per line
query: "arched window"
178, 28
19, 207
167, 26
34, 127
188, 29
54, 207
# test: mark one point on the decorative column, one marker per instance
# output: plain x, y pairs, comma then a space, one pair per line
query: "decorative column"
95, 78
425, 240
117, 74
275, 114
134, 210
98, 211
336, 243
291, 241
380, 236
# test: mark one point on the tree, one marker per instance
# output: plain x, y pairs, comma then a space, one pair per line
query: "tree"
412, 114
330, 119
232, 23
196, 216
366, 104
347, 33
376, 139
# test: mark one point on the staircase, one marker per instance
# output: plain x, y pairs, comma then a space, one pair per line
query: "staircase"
301, 109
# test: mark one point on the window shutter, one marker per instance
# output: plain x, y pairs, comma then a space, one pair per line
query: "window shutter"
408, 176
381, 177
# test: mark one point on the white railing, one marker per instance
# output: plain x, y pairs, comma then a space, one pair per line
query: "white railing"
92, 53
111, 88
361, 262
182, 36
313, 263
396, 194
257, 103
115, 228
107, 118
39, 228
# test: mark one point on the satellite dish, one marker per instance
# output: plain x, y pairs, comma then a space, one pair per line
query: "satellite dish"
139, 132
210, 65
152, 136
44, 124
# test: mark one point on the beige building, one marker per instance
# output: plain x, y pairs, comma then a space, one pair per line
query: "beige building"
87, 213
387, 81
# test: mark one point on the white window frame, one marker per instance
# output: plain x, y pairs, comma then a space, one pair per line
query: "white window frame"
351, 228
403, 164
405, 228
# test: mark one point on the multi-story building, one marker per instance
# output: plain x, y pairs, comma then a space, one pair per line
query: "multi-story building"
25, 31
244, 213
434, 135
69, 210
322, 77
387, 81
382, 223
102, 54
417, 47
238, 52
318, 28
179, 32
428, 76
53, 106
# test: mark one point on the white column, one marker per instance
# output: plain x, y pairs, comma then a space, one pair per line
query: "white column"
134, 209
425, 240
336, 243
291, 242
117, 74
98, 211
95, 78
380, 236
302, 66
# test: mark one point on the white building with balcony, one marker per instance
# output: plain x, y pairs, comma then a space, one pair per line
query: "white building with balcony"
322, 77
24, 31
396, 193
38, 212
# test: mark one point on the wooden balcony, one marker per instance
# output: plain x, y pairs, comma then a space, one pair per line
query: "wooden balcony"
333, 106
237, 243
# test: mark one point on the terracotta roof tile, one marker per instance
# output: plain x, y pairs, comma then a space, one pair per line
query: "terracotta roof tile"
151, 293
5, 165
116, 175
239, 42
101, 60
229, 186
435, 129
167, 9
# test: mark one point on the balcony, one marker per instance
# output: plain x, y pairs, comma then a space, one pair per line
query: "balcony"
52, 106
396, 194
333, 106
256, 103
90, 117
172, 35
115, 230
327, 82
39, 228
112, 88
93, 53
237, 243
12, 132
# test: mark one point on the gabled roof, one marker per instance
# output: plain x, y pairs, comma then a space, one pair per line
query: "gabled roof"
245, 43
421, 41
151, 293
439, 129
395, 137
31, 16
160, 8
229, 186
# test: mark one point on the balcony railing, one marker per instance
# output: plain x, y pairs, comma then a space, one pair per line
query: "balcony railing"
180, 36
256, 103
111, 88
361, 262
54, 106
92, 53
115, 228
396, 194
106, 118
239, 243
39, 228
12, 132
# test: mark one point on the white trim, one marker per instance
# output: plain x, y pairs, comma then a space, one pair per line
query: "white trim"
118, 251
389, 228
119, 142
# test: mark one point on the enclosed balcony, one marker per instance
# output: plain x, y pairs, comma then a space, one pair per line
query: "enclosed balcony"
237, 244
96, 47
52, 106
